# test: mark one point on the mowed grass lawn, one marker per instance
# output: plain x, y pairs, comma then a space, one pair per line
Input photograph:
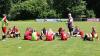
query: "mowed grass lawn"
73, 47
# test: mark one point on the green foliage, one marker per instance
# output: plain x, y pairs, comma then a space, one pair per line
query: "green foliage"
78, 8
32, 9
5, 6
90, 13
0, 18
94, 5
22, 10
28, 9
49, 14
17, 1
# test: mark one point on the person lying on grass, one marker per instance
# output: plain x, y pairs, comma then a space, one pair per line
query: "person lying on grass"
63, 35
35, 36
88, 37
94, 33
28, 34
50, 35
81, 33
43, 33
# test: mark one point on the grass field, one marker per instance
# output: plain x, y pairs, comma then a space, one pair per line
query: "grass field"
73, 47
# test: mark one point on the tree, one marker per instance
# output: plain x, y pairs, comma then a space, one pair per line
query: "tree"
76, 7
94, 5
27, 9
32, 9
5, 6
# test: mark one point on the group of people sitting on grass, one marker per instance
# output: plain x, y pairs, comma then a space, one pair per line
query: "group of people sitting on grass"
49, 35
85, 36
12, 33
31, 34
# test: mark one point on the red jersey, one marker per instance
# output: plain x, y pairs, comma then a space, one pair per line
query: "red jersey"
15, 30
93, 32
81, 33
49, 36
4, 18
64, 36
28, 35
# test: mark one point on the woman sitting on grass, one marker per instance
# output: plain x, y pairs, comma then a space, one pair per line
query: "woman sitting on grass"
59, 31
94, 34
76, 31
28, 34
13, 32
16, 32
9, 33
91, 35
50, 35
35, 36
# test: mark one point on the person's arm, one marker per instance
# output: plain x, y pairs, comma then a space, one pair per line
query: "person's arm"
72, 23
7, 22
17, 30
67, 21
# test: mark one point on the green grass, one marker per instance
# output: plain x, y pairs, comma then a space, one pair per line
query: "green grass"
72, 47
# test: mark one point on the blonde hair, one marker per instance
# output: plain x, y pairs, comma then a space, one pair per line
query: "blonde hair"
50, 31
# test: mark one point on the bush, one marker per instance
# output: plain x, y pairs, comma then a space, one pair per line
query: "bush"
0, 18
90, 13
32, 9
